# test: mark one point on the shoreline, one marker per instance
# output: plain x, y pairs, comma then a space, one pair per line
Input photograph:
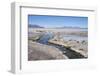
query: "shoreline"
73, 48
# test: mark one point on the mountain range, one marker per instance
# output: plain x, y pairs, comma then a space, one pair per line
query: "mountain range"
63, 27
35, 26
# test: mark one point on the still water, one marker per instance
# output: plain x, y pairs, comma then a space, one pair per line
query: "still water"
74, 37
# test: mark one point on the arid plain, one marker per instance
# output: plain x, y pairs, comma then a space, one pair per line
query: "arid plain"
57, 43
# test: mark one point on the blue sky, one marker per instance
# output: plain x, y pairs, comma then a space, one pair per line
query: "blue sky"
58, 21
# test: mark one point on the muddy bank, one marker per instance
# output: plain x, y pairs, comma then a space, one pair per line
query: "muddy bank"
37, 51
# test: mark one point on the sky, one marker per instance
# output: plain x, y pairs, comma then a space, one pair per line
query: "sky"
58, 21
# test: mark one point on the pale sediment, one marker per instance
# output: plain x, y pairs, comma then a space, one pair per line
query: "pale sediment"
76, 46
37, 51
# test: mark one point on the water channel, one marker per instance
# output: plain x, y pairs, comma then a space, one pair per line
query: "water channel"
71, 54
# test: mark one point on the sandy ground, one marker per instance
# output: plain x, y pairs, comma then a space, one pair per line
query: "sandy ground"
37, 51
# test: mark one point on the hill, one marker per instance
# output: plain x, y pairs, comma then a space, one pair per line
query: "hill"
35, 26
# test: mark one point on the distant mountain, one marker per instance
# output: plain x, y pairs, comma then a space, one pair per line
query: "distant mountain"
35, 26
64, 27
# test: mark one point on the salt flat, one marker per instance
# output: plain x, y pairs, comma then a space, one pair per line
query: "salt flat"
79, 43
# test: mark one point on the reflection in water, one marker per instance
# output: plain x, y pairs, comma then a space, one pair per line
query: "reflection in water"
44, 39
